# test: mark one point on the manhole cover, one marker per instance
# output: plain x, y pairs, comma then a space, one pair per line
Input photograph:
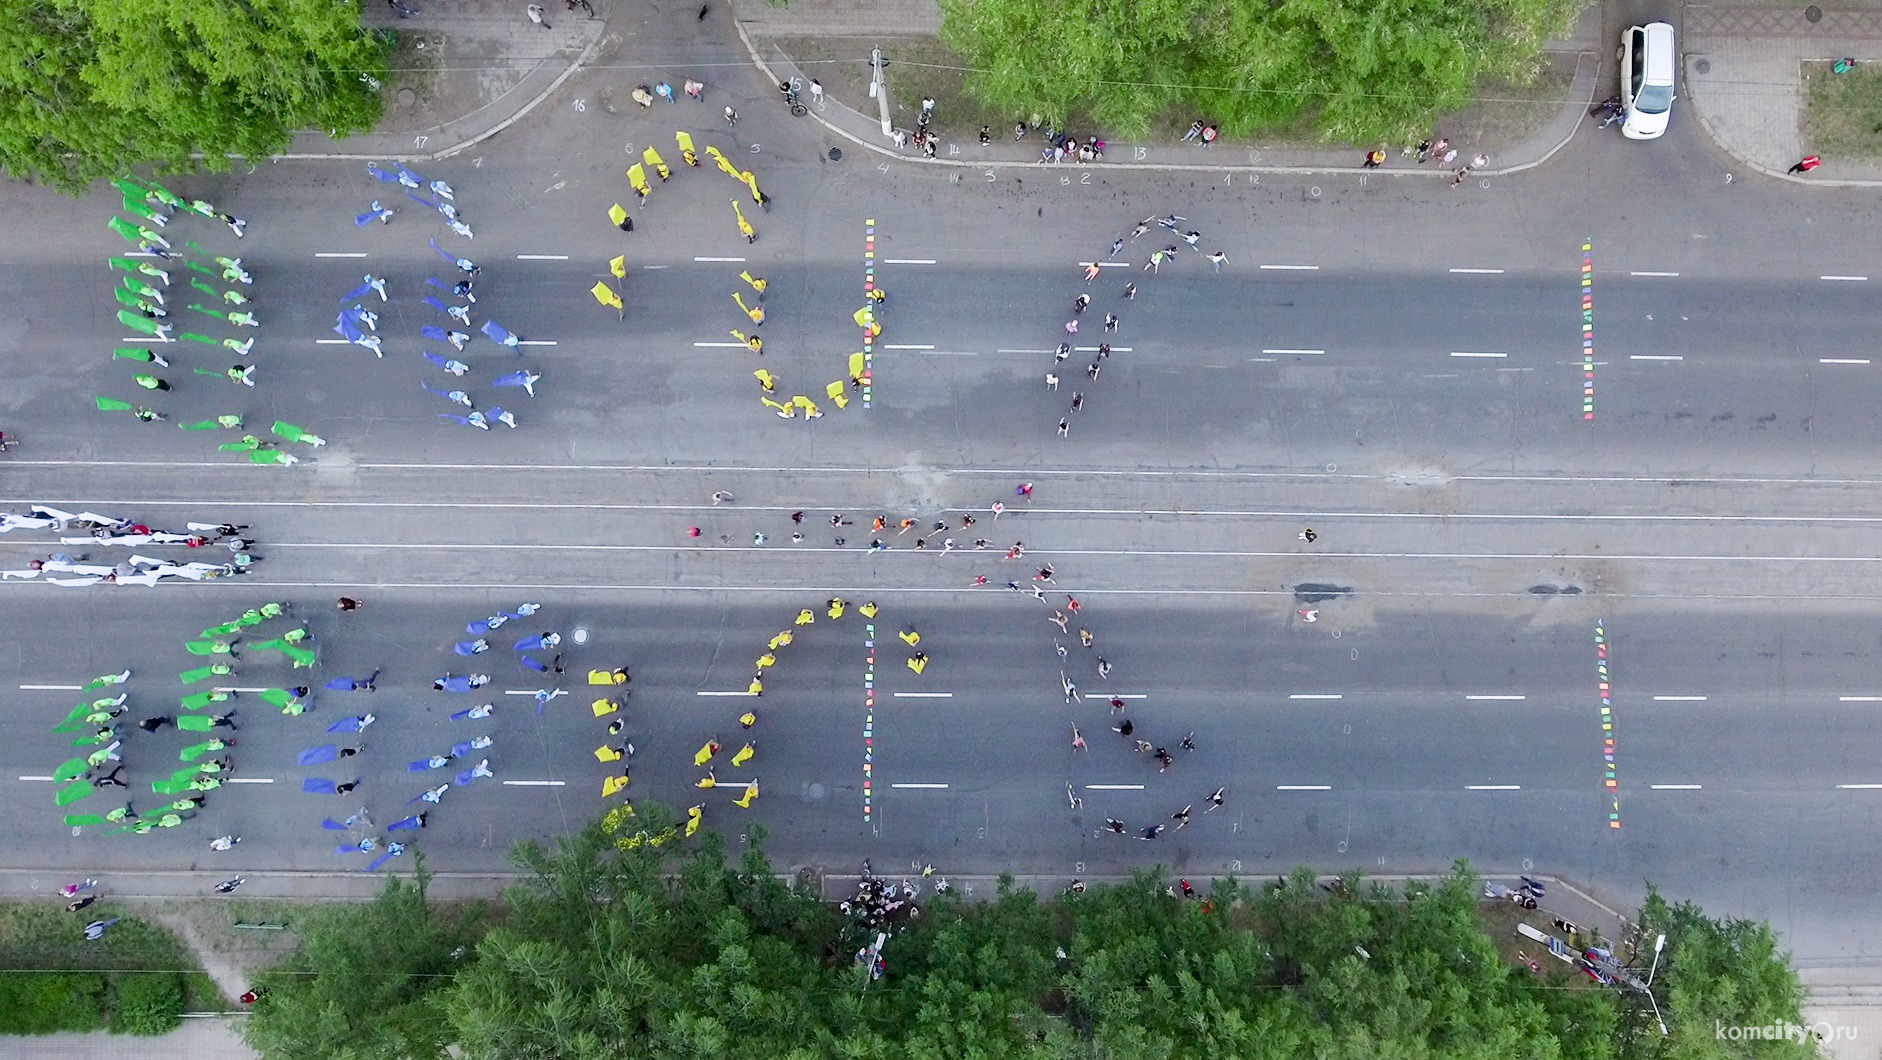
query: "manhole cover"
407, 97
1703, 66
1813, 14
580, 635
836, 154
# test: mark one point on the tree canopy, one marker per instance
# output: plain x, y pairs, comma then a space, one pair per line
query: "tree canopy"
639, 943
1354, 71
88, 89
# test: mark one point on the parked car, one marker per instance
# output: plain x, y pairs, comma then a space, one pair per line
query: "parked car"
1648, 62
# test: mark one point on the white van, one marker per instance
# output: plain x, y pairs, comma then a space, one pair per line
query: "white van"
1647, 64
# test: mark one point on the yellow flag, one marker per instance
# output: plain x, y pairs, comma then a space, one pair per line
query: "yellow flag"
856, 366
616, 215
605, 295
618, 266
652, 157
685, 140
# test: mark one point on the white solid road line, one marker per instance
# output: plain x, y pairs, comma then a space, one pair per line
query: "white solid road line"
1458, 353
339, 254
1480, 272
41, 779
1094, 349
535, 342
1114, 787
1839, 699
1653, 274
542, 257
1303, 787
718, 345
1105, 264
52, 688
1022, 351
1655, 357
333, 342
923, 695
1842, 360
925, 786
250, 780
946, 353
907, 346
535, 783
1120, 695
1679, 699
1674, 787
1846, 279
1299, 353
1493, 787
1845, 787
1293, 268
1316, 695
1495, 698
908, 261
719, 259
711, 693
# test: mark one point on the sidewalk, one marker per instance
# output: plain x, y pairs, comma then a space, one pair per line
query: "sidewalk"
1744, 82
492, 66
763, 25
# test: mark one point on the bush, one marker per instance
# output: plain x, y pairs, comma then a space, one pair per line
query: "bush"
147, 1004
49, 1002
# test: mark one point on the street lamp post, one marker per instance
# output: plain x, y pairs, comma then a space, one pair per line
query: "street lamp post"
1658, 945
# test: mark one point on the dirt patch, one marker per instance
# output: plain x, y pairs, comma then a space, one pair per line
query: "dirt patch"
418, 92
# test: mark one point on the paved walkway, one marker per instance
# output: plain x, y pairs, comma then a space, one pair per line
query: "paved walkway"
1743, 75
762, 26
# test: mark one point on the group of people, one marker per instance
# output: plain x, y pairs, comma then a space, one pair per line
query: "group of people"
66, 569
358, 318
143, 293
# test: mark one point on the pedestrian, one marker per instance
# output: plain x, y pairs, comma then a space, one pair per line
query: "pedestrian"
1208, 136
927, 107
1308, 535
1374, 159
731, 116
986, 135
1480, 161
1065, 428
1181, 817
1195, 130
1218, 259
695, 90
347, 603
535, 15
1808, 163
665, 91
1110, 322
816, 92
1457, 178
1078, 740
1215, 799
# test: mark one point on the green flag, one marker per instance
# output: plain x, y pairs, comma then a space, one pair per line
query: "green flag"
106, 404
71, 770
123, 228
194, 723
137, 322
72, 792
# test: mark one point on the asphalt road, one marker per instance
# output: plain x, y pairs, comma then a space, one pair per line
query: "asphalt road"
1395, 364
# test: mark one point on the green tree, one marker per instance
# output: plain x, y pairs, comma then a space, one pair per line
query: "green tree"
1712, 972
365, 983
1355, 71
88, 90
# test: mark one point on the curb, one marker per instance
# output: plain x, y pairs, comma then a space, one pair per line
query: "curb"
765, 68
1756, 167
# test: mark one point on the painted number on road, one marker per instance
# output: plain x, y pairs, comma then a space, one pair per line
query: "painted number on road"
581, 105
989, 176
